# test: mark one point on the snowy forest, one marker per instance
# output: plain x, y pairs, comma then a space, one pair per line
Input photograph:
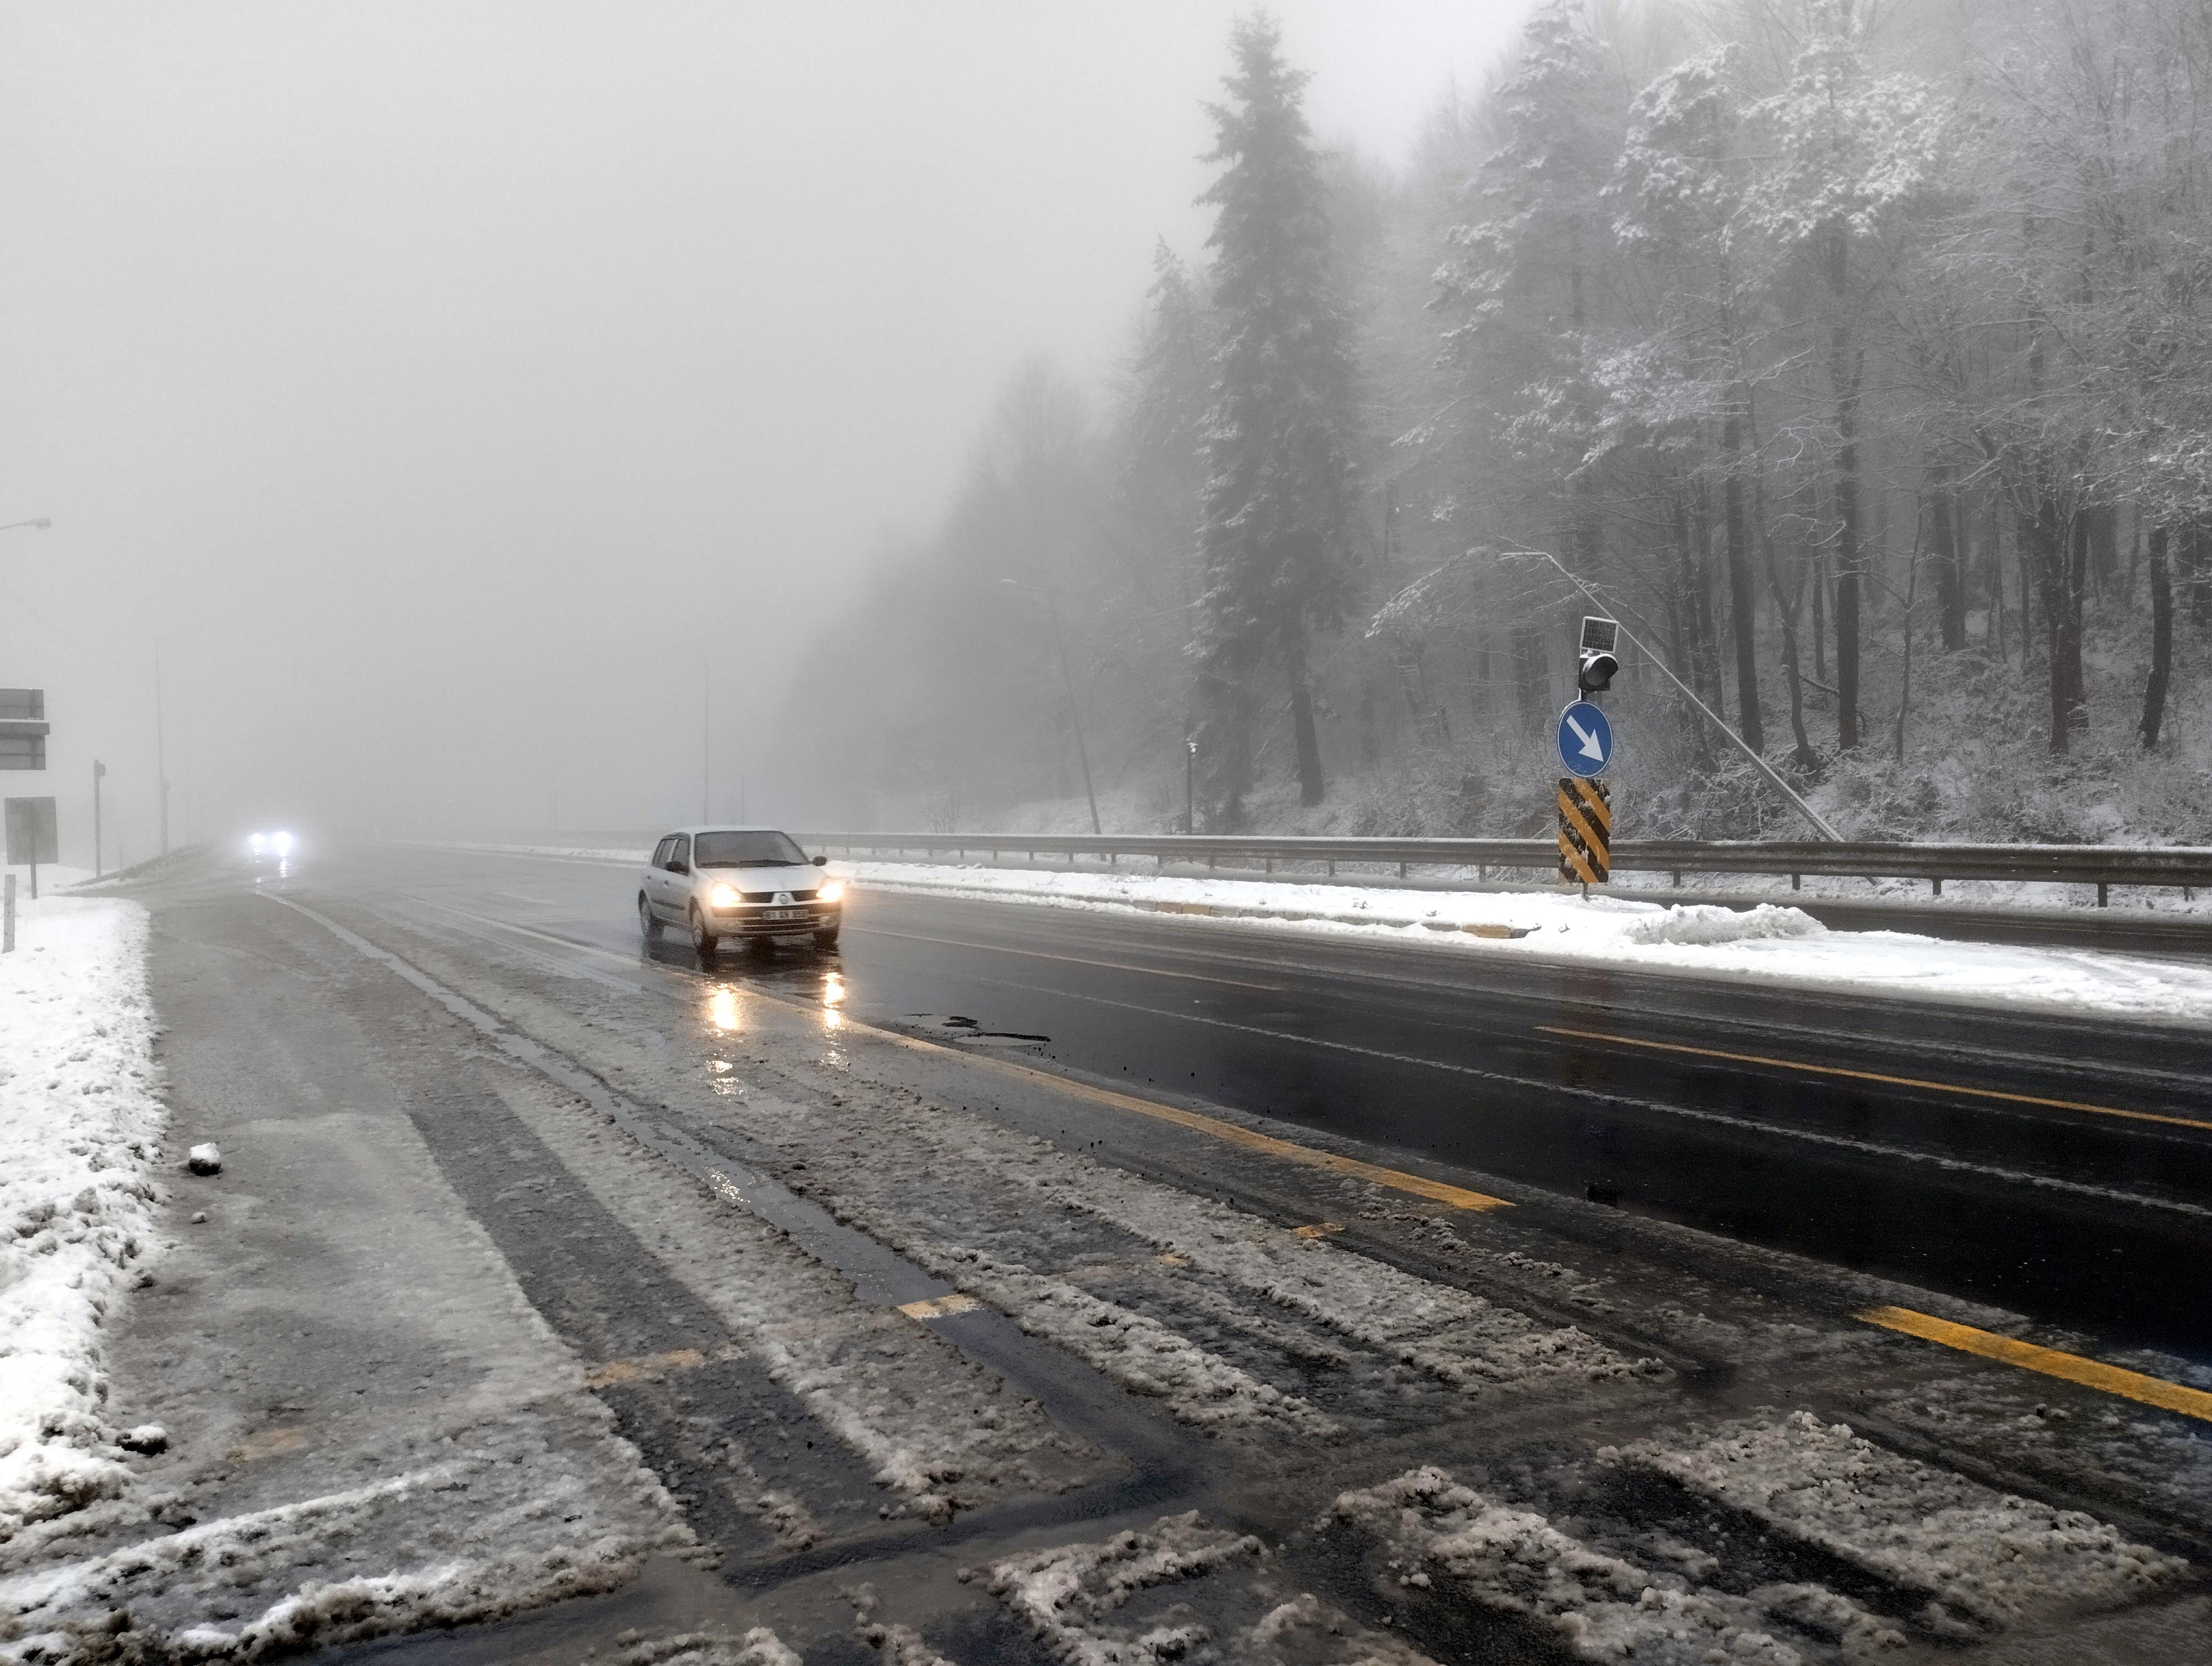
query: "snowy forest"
1858, 355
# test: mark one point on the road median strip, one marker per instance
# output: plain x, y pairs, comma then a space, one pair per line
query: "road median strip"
2068, 1367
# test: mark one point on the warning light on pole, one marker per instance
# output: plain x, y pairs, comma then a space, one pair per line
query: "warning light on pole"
1598, 660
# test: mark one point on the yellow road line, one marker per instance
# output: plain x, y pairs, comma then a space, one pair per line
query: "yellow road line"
2070, 1367
1435, 1191
608, 1373
942, 1307
1875, 1076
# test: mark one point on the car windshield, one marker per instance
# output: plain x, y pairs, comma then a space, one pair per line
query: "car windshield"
762, 848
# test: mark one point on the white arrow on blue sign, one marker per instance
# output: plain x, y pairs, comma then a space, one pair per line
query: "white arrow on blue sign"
1585, 740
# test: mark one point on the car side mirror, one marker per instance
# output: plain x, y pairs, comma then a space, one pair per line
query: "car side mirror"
821, 862
679, 867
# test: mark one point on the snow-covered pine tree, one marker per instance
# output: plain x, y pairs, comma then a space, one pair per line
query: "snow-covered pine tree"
1279, 493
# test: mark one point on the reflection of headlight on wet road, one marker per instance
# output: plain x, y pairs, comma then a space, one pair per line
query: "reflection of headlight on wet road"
722, 1009
723, 897
833, 891
833, 990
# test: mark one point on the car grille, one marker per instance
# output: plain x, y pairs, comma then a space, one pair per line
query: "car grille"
770, 895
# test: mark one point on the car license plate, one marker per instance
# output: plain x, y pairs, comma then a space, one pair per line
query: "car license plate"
785, 914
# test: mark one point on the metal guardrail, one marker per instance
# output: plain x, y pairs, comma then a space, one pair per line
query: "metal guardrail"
2102, 865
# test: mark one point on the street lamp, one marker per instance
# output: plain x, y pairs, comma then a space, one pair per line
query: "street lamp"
41, 523
1074, 717
1190, 785
160, 753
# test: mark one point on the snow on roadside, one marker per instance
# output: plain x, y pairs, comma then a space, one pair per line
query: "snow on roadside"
79, 1126
1769, 942
1989, 1555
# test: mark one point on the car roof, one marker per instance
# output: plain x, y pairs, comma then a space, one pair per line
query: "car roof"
725, 827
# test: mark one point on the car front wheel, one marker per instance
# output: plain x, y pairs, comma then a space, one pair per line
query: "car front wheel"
703, 936
648, 922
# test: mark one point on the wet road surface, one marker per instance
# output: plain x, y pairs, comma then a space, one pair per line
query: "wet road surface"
2060, 1167
1015, 1285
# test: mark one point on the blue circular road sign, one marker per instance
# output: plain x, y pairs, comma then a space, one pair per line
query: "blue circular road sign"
1585, 740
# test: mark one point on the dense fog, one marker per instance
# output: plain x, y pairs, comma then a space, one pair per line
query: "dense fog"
482, 407
497, 419
1855, 357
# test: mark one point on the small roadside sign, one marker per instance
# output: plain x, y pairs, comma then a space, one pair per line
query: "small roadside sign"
1585, 740
1585, 831
31, 837
23, 728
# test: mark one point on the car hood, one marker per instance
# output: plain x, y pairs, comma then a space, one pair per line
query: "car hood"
798, 879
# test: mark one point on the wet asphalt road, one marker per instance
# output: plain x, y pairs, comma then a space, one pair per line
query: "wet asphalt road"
2095, 1213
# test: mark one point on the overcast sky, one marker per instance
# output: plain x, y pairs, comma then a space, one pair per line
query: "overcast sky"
458, 387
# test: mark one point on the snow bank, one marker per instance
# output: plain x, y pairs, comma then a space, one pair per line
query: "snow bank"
1774, 944
79, 1122
1990, 1556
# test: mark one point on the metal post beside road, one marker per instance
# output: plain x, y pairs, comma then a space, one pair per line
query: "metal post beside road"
1585, 742
99, 770
8, 911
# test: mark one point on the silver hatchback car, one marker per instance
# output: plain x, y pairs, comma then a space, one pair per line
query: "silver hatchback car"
750, 882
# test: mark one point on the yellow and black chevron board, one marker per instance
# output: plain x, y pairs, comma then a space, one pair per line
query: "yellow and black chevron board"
1585, 829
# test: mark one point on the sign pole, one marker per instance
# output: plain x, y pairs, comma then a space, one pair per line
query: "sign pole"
98, 770
1690, 694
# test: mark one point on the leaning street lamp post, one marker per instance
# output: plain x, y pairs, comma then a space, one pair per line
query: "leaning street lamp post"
1067, 677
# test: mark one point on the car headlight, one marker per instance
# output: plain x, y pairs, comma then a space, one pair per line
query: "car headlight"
723, 897
832, 892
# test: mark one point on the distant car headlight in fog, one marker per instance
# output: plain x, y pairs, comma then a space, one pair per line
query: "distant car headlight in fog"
723, 897
281, 843
257, 844
833, 892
